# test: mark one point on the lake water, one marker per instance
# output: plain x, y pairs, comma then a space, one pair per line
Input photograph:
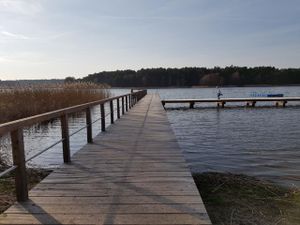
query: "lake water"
263, 141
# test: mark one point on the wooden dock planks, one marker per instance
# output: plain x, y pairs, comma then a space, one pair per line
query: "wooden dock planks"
134, 173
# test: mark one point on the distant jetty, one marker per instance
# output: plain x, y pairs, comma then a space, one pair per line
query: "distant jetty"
279, 101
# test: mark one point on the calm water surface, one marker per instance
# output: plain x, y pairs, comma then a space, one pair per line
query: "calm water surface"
262, 141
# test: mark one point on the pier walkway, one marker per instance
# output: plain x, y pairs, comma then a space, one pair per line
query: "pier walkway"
134, 173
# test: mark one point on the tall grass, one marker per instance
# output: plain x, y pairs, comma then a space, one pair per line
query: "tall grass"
23, 101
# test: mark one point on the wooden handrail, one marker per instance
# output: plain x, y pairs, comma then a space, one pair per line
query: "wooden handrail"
15, 128
28, 121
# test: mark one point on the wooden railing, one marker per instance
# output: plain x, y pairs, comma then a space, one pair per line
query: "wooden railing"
15, 129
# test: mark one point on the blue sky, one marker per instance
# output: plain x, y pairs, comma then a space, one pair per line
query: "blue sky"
59, 38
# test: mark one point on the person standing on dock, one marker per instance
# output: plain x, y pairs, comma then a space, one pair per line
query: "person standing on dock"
219, 94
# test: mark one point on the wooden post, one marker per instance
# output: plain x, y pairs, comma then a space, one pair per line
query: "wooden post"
126, 100
66, 139
102, 117
17, 141
123, 111
284, 103
251, 103
111, 104
223, 104
129, 101
192, 105
118, 108
89, 129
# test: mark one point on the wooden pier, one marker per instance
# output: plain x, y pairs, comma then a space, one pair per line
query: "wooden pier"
133, 173
279, 101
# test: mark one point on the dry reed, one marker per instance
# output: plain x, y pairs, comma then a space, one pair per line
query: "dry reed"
23, 101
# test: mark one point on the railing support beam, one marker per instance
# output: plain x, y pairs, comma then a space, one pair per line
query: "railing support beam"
123, 106
102, 110
111, 104
89, 128
118, 108
66, 138
17, 141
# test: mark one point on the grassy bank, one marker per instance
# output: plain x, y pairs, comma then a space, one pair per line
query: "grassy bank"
20, 102
7, 186
242, 200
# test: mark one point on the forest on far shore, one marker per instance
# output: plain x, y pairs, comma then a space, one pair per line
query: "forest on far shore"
197, 76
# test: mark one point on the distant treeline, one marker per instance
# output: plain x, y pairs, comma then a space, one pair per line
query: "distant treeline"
9, 83
196, 76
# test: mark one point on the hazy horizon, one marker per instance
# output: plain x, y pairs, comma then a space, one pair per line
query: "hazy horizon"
63, 77
53, 39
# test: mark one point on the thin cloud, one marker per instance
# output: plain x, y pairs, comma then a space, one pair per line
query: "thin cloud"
5, 59
57, 36
36, 38
29, 7
14, 36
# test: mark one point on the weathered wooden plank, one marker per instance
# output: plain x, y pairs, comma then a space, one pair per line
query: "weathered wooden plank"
87, 180
121, 219
147, 199
106, 192
142, 187
119, 174
58, 208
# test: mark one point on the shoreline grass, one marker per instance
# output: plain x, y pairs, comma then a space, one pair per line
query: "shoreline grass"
23, 101
232, 199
